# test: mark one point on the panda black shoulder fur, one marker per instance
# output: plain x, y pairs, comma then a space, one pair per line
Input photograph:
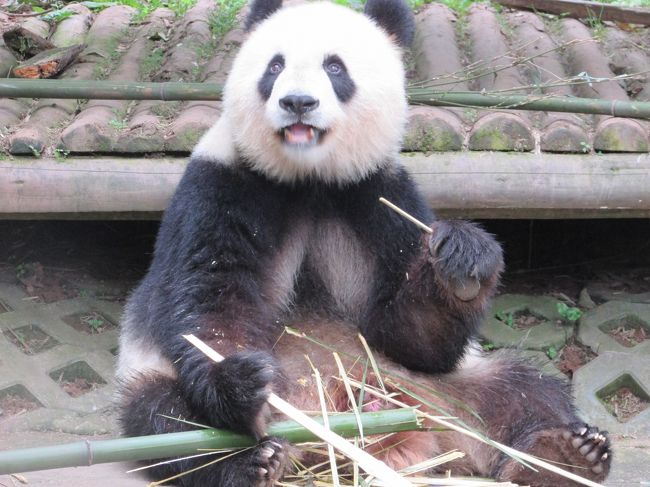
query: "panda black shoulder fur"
276, 221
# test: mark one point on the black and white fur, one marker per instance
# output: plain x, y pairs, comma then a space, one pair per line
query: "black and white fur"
277, 218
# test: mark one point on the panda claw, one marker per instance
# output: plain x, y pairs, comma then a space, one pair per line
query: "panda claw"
262, 472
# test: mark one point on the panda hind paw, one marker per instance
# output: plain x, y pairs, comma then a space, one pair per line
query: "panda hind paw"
591, 444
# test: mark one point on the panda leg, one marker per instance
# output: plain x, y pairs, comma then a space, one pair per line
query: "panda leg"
149, 402
530, 412
579, 448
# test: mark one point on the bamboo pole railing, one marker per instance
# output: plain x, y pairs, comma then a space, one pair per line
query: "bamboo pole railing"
91, 452
168, 91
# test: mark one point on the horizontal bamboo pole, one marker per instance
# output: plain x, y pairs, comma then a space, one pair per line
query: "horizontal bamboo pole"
122, 90
511, 185
89, 452
594, 106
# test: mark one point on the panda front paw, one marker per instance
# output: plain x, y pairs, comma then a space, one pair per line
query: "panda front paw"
241, 384
465, 256
269, 461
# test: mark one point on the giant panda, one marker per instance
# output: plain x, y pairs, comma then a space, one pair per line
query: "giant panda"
276, 222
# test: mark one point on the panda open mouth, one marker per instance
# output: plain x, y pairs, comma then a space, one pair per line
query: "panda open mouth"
301, 135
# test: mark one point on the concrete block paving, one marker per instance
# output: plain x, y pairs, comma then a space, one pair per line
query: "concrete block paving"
617, 326
49, 358
525, 322
59, 357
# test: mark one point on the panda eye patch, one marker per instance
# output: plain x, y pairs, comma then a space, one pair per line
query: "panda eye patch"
273, 70
338, 74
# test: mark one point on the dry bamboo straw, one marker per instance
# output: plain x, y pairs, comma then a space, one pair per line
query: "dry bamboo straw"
369, 463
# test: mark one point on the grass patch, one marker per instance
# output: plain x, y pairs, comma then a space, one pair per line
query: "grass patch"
179, 7
224, 18
151, 63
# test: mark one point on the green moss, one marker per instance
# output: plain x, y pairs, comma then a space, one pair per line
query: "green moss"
490, 138
432, 139
610, 141
188, 139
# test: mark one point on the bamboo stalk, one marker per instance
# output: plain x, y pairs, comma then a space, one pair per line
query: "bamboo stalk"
370, 464
121, 90
595, 106
91, 452
406, 215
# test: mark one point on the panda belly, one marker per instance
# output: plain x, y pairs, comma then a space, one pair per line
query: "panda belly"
399, 450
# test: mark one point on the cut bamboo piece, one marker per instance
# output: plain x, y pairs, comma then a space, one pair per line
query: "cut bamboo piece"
366, 461
48, 63
25, 42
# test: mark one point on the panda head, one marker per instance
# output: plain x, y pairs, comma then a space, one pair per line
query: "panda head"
317, 91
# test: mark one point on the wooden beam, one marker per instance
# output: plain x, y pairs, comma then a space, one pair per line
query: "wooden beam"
468, 184
584, 10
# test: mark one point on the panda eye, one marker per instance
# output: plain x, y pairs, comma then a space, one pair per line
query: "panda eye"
334, 68
276, 67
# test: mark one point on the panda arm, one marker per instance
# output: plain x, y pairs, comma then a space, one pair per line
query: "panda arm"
206, 278
415, 315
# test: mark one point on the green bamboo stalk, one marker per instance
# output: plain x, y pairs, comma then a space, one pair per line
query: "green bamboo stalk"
593, 106
109, 90
86, 453
121, 90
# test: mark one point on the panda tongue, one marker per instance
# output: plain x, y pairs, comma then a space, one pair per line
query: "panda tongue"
298, 133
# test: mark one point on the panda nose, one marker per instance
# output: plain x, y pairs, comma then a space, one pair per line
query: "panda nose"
298, 104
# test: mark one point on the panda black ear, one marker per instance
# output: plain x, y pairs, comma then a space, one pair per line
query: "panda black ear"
260, 10
395, 17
